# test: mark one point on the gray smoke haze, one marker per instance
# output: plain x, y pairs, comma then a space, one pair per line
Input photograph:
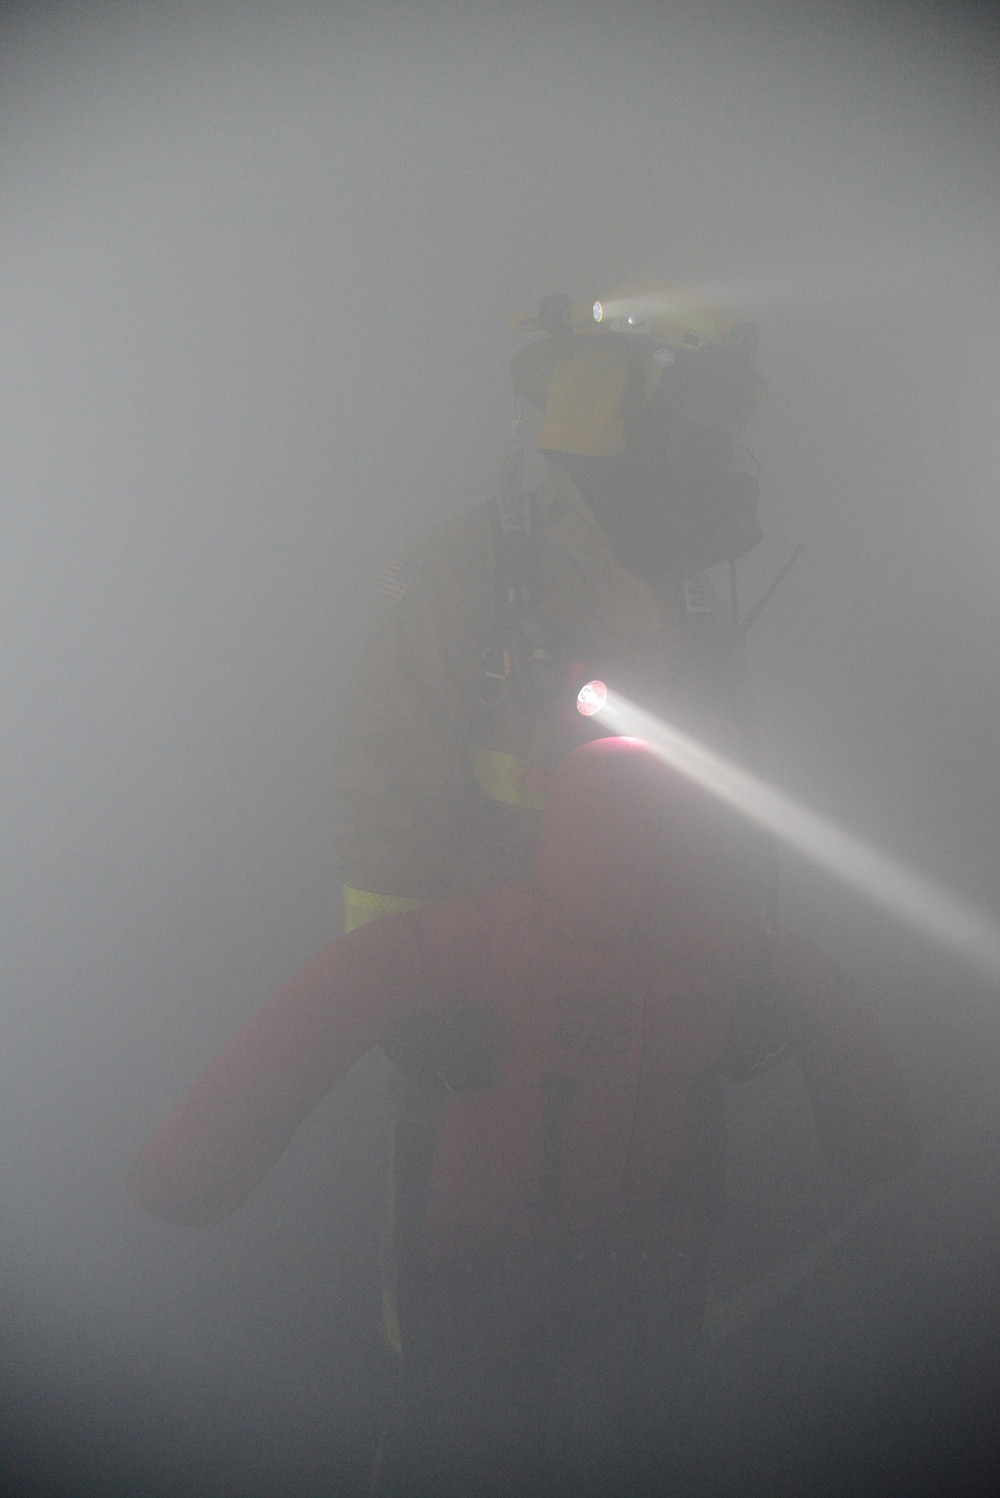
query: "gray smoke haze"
258, 266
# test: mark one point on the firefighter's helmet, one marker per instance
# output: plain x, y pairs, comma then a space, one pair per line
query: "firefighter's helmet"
598, 353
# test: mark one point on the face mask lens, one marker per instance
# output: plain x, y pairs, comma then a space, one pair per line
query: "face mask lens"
715, 387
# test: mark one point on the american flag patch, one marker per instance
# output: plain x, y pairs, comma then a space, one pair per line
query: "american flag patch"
397, 577
698, 595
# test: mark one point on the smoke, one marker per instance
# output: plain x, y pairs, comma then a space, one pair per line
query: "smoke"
258, 267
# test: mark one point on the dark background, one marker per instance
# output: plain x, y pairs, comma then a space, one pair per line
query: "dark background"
258, 266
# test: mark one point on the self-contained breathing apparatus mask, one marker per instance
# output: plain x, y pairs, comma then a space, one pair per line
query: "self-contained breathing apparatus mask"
659, 526
688, 477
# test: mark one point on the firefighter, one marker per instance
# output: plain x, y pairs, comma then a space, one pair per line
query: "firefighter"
601, 569
551, 1271
479, 633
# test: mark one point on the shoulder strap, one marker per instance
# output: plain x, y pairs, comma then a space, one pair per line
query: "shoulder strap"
518, 656
513, 526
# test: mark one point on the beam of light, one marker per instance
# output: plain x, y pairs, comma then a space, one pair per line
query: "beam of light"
912, 899
858, 279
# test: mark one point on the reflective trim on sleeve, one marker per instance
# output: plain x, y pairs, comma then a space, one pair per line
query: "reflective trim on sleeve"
364, 905
502, 777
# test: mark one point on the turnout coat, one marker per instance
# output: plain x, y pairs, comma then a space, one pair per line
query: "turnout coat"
448, 734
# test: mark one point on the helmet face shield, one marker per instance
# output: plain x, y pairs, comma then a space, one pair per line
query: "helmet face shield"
717, 387
644, 406
586, 387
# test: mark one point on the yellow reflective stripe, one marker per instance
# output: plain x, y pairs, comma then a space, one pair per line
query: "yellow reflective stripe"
364, 905
501, 776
